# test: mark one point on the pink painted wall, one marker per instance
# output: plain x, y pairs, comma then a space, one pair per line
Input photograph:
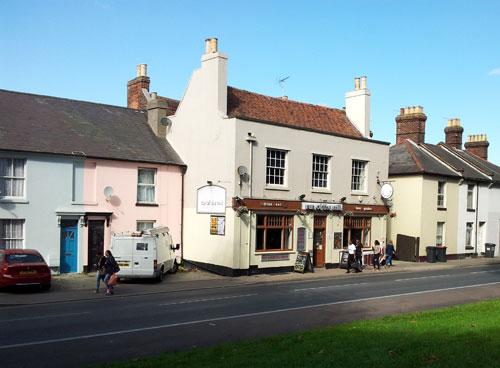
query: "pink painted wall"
122, 177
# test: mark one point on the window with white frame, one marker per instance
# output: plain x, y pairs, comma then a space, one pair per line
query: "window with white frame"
440, 233
441, 203
358, 178
470, 197
145, 225
11, 234
146, 183
320, 177
468, 234
275, 167
12, 177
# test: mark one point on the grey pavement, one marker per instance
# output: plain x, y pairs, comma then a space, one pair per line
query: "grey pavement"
72, 287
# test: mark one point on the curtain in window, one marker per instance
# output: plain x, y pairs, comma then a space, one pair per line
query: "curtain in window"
11, 234
12, 177
146, 186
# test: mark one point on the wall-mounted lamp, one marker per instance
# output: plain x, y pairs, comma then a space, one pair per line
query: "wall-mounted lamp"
209, 182
301, 197
343, 199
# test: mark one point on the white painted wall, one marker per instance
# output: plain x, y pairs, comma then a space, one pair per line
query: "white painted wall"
493, 222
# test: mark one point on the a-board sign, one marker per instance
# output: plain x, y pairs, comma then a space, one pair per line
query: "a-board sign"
303, 262
344, 259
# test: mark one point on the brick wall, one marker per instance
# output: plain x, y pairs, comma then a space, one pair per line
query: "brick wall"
410, 126
135, 97
453, 136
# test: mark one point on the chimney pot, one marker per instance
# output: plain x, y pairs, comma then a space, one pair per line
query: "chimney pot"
356, 83
142, 70
210, 45
363, 82
154, 95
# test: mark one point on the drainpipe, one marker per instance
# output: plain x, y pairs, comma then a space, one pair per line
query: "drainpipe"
251, 139
182, 213
477, 214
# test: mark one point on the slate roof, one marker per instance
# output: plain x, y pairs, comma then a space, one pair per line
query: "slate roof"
36, 123
468, 172
256, 107
486, 167
408, 158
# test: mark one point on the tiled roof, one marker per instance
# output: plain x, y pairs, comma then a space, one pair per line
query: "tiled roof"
35, 123
408, 158
252, 106
468, 172
171, 104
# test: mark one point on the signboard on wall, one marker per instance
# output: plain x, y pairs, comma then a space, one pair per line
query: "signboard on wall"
327, 207
301, 239
217, 225
211, 199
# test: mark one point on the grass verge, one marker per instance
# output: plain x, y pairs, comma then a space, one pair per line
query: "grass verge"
460, 336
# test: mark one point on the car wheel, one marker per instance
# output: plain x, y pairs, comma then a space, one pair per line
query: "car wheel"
174, 268
45, 287
159, 278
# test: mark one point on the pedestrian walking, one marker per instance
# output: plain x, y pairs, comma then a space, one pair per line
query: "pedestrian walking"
377, 251
359, 254
100, 272
351, 258
110, 268
389, 253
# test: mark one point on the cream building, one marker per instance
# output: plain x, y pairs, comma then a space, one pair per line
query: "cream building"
443, 195
268, 177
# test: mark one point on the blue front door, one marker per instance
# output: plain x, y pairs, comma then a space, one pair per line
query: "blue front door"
69, 246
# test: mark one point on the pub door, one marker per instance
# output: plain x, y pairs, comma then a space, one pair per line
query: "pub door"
319, 241
96, 241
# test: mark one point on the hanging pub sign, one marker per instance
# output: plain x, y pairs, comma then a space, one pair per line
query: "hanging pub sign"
211, 199
320, 206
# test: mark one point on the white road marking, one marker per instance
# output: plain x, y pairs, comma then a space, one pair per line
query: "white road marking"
483, 271
423, 277
330, 286
208, 299
246, 315
42, 317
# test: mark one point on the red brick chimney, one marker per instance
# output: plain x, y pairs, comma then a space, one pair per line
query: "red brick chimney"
478, 145
410, 124
453, 133
135, 96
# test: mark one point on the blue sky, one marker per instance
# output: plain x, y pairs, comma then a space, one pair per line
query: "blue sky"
443, 55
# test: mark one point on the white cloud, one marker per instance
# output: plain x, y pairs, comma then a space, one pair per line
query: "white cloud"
494, 72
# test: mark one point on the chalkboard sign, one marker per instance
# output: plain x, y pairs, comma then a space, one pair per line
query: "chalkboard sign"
303, 262
344, 259
301, 239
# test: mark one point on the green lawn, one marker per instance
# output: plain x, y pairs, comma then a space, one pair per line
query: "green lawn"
462, 336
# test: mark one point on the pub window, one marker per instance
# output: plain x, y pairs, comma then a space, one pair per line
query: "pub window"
274, 233
358, 178
275, 167
320, 171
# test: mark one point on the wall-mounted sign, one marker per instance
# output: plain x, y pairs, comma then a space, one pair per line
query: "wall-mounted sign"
318, 206
374, 209
301, 239
268, 205
211, 199
386, 191
217, 225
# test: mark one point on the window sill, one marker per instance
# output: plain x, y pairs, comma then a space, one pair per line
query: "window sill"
358, 193
468, 247
471, 210
14, 200
276, 187
259, 252
441, 208
142, 204
320, 190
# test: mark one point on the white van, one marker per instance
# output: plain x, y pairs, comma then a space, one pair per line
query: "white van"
147, 254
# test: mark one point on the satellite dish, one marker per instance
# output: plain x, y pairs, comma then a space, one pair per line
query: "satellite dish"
386, 191
166, 121
108, 192
242, 170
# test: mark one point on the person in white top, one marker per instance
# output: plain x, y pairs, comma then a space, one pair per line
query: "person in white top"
352, 250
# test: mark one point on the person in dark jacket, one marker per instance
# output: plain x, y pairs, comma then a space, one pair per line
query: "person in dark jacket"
110, 267
389, 253
100, 273
359, 254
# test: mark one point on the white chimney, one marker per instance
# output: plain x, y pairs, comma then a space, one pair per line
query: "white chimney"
214, 70
357, 106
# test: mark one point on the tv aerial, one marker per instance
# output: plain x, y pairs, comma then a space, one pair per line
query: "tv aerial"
281, 82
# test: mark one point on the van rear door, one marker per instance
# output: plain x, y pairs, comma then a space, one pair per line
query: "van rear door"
123, 252
144, 257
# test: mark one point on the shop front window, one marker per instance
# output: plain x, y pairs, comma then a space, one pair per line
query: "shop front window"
274, 233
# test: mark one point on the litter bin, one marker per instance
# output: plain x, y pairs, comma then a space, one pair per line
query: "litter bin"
344, 257
431, 254
441, 254
489, 250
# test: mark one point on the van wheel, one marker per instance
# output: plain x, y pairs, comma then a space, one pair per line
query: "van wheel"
159, 278
174, 268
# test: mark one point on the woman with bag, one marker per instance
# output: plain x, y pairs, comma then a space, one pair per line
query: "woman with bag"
110, 268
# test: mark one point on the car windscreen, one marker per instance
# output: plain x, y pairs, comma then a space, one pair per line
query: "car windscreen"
23, 258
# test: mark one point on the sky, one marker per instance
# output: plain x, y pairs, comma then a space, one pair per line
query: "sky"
442, 55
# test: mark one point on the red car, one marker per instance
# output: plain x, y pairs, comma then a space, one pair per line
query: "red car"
23, 267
